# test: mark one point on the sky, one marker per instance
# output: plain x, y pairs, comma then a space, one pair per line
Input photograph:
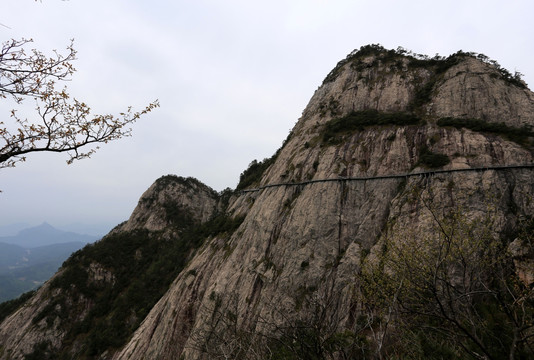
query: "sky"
232, 78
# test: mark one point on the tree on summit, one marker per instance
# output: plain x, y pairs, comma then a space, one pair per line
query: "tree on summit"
62, 123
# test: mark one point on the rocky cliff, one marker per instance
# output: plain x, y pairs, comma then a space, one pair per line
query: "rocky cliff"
109, 286
363, 219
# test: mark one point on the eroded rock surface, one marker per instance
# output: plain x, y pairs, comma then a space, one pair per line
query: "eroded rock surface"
309, 241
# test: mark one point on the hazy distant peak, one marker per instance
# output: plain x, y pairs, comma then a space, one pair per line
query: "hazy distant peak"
44, 227
45, 234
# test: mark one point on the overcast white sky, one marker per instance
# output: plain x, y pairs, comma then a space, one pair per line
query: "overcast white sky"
232, 78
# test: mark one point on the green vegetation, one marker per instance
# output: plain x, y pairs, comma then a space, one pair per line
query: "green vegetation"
254, 172
432, 160
41, 351
252, 175
335, 129
371, 56
167, 180
518, 135
450, 294
313, 333
354, 58
399, 58
141, 266
305, 340
404, 59
9, 307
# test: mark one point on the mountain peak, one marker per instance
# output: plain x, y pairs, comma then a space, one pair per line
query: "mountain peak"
370, 180
45, 234
46, 225
42, 228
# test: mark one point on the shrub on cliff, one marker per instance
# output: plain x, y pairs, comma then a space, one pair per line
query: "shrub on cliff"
335, 129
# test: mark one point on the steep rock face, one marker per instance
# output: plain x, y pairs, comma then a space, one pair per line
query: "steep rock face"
170, 195
50, 322
19, 333
302, 247
308, 241
474, 89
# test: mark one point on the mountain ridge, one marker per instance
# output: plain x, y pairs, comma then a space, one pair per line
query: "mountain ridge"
311, 271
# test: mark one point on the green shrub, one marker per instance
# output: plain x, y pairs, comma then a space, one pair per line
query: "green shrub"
358, 120
439, 64
422, 95
254, 172
356, 55
41, 351
432, 160
143, 265
518, 135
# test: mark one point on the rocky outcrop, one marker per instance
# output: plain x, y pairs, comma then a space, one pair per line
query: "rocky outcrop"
308, 241
300, 248
474, 89
20, 333
50, 322
169, 196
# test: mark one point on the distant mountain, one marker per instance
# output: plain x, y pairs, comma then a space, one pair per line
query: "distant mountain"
12, 229
32, 256
45, 234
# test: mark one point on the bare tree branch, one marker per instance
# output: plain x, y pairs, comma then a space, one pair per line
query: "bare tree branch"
62, 124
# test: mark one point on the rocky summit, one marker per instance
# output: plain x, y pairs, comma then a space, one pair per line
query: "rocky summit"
395, 221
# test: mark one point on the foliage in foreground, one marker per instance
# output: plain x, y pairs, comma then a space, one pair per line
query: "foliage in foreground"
451, 292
